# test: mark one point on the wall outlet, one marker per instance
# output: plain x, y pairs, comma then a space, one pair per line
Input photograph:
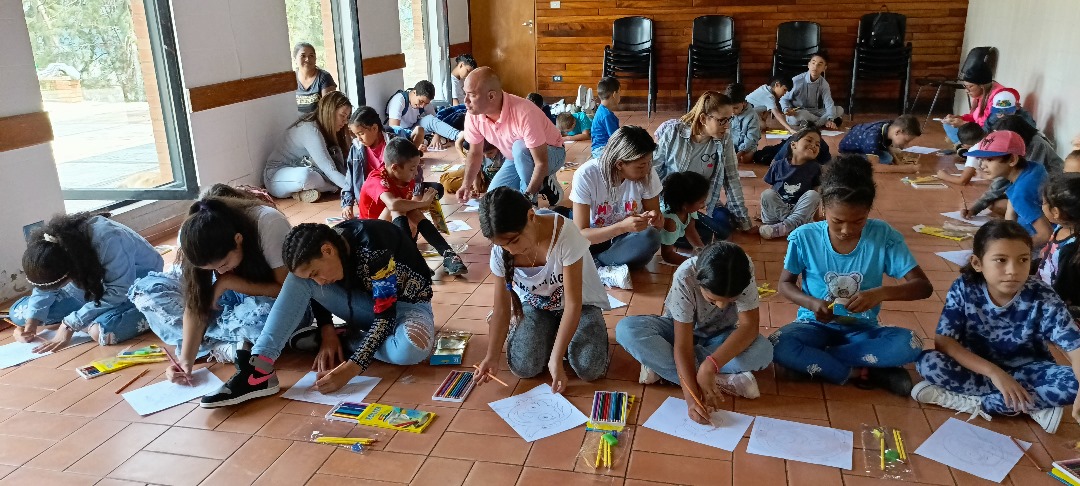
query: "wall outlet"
556, 4
30, 228
556, 78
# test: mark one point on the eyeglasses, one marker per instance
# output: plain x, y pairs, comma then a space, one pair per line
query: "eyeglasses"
721, 121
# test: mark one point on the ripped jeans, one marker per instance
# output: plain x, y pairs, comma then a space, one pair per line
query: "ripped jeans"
832, 350
410, 342
159, 296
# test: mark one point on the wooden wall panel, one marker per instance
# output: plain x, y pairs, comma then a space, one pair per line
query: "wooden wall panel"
570, 42
26, 130
382, 64
212, 96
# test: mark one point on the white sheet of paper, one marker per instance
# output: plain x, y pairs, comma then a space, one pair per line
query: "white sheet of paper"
474, 203
355, 391
749, 174
960, 166
831, 133
801, 442
538, 413
615, 303
470, 209
458, 225
165, 395
959, 257
915, 149
726, 431
973, 179
568, 142
775, 136
17, 353
972, 449
979, 219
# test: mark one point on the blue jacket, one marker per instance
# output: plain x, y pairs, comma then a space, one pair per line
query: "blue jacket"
746, 131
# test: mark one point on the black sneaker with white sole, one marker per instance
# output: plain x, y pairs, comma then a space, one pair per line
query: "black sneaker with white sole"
254, 378
894, 380
305, 339
552, 190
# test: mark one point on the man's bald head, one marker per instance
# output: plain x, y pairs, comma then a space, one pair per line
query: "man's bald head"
483, 92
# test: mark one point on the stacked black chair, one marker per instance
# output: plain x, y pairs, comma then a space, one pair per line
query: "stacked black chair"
977, 55
713, 52
796, 43
631, 55
881, 54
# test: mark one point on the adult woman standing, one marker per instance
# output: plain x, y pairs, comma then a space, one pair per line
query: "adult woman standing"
310, 158
312, 83
699, 141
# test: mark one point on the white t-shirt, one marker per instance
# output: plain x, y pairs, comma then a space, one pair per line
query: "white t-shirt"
589, 188
273, 227
458, 86
685, 303
398, 102
542, 287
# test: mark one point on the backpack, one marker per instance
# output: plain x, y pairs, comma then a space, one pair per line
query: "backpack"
386, 111
886, 30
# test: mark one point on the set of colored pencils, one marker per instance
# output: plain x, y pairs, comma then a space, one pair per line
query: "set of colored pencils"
609, 407
456, 386
603, 451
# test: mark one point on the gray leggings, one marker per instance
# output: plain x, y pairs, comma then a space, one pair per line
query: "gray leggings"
529, 345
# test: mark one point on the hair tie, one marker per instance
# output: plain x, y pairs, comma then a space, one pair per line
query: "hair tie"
50, 238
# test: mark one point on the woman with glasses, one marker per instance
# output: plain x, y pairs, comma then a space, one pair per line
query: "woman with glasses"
699, 141
980, 87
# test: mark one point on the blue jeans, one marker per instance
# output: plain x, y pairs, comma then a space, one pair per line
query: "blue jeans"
115, 326
651, 341
832, 350
517, 169
1049, 384
951, 132
633, 249
400, 131
716, 226
412, 319
432, 124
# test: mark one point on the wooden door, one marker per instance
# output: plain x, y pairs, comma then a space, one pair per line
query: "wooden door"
503, 37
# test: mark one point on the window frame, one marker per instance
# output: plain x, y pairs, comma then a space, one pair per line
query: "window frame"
185, 185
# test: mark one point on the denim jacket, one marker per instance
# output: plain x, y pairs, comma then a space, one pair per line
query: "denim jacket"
355, 164
745, 130
125, 255
671, 155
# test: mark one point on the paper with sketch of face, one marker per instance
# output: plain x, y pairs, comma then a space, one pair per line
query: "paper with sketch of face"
17, 353
801, 442
972, 449
538, 413
355, 391
725, 432
164, 395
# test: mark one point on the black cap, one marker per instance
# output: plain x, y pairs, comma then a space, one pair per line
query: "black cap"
978, 74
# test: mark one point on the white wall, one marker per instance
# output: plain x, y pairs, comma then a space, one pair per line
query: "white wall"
30, 187
458, 15
380, 35
1036, 55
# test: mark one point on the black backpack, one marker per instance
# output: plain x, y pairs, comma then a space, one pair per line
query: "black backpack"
386, 111
887, 30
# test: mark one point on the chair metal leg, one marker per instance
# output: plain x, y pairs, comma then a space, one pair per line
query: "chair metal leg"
906, 86
932, 103
851, 91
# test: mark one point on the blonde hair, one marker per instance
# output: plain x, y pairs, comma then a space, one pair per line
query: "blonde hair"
709, 102
565, 121
629, 142
325, 117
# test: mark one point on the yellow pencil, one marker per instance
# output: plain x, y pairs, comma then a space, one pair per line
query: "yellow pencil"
599, 453
883, 452
899, 444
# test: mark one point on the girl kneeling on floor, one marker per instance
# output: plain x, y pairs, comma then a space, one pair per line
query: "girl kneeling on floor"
841, 260
81, 266
991, 353
548, 296
708, 333
366, 271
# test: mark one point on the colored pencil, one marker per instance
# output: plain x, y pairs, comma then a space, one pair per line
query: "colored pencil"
899, 444
1032, 459
140, 375
599, 452
491, 375
882, 452
174, 362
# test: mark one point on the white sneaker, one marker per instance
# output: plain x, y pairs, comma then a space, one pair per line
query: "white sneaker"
926, 392
647, 376
739, 384
1048, 418
616, 276
307, 195
223, 353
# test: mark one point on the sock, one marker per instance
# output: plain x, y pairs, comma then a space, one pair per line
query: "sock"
432, 235
263, 364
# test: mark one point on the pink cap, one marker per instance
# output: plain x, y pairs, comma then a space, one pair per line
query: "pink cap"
999, 143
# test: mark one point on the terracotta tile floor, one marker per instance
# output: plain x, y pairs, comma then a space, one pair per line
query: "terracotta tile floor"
60, 429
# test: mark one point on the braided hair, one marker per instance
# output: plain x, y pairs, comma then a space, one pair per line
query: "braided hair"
849, 180
512, 216
304, 244
207, 236
62, 251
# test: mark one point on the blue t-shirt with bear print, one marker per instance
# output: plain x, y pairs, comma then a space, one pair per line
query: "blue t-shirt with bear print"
832, 276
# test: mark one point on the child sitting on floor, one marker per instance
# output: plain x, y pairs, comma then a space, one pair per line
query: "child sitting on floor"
604, 120
684, 195
841, 261
390, 194
574, 126
792, 201
766, 99
969, 134
990, 351
1059, 266
745, 125
811, 97
1002, 156
707, 341
881, 140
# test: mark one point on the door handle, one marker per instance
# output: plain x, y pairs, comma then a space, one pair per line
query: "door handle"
527, 23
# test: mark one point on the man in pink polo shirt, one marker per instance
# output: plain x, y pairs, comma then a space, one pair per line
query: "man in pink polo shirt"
533, 147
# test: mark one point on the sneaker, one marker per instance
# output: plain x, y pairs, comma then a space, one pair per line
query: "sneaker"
453, 264
616, 276
739, 384
223, 353
305, 339
307, 195
1048, 418
254, 378
893, 380
926, 392
773, 231
647, 376
552, 190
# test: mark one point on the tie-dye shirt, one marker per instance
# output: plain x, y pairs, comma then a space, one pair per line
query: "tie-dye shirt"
1013, 334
